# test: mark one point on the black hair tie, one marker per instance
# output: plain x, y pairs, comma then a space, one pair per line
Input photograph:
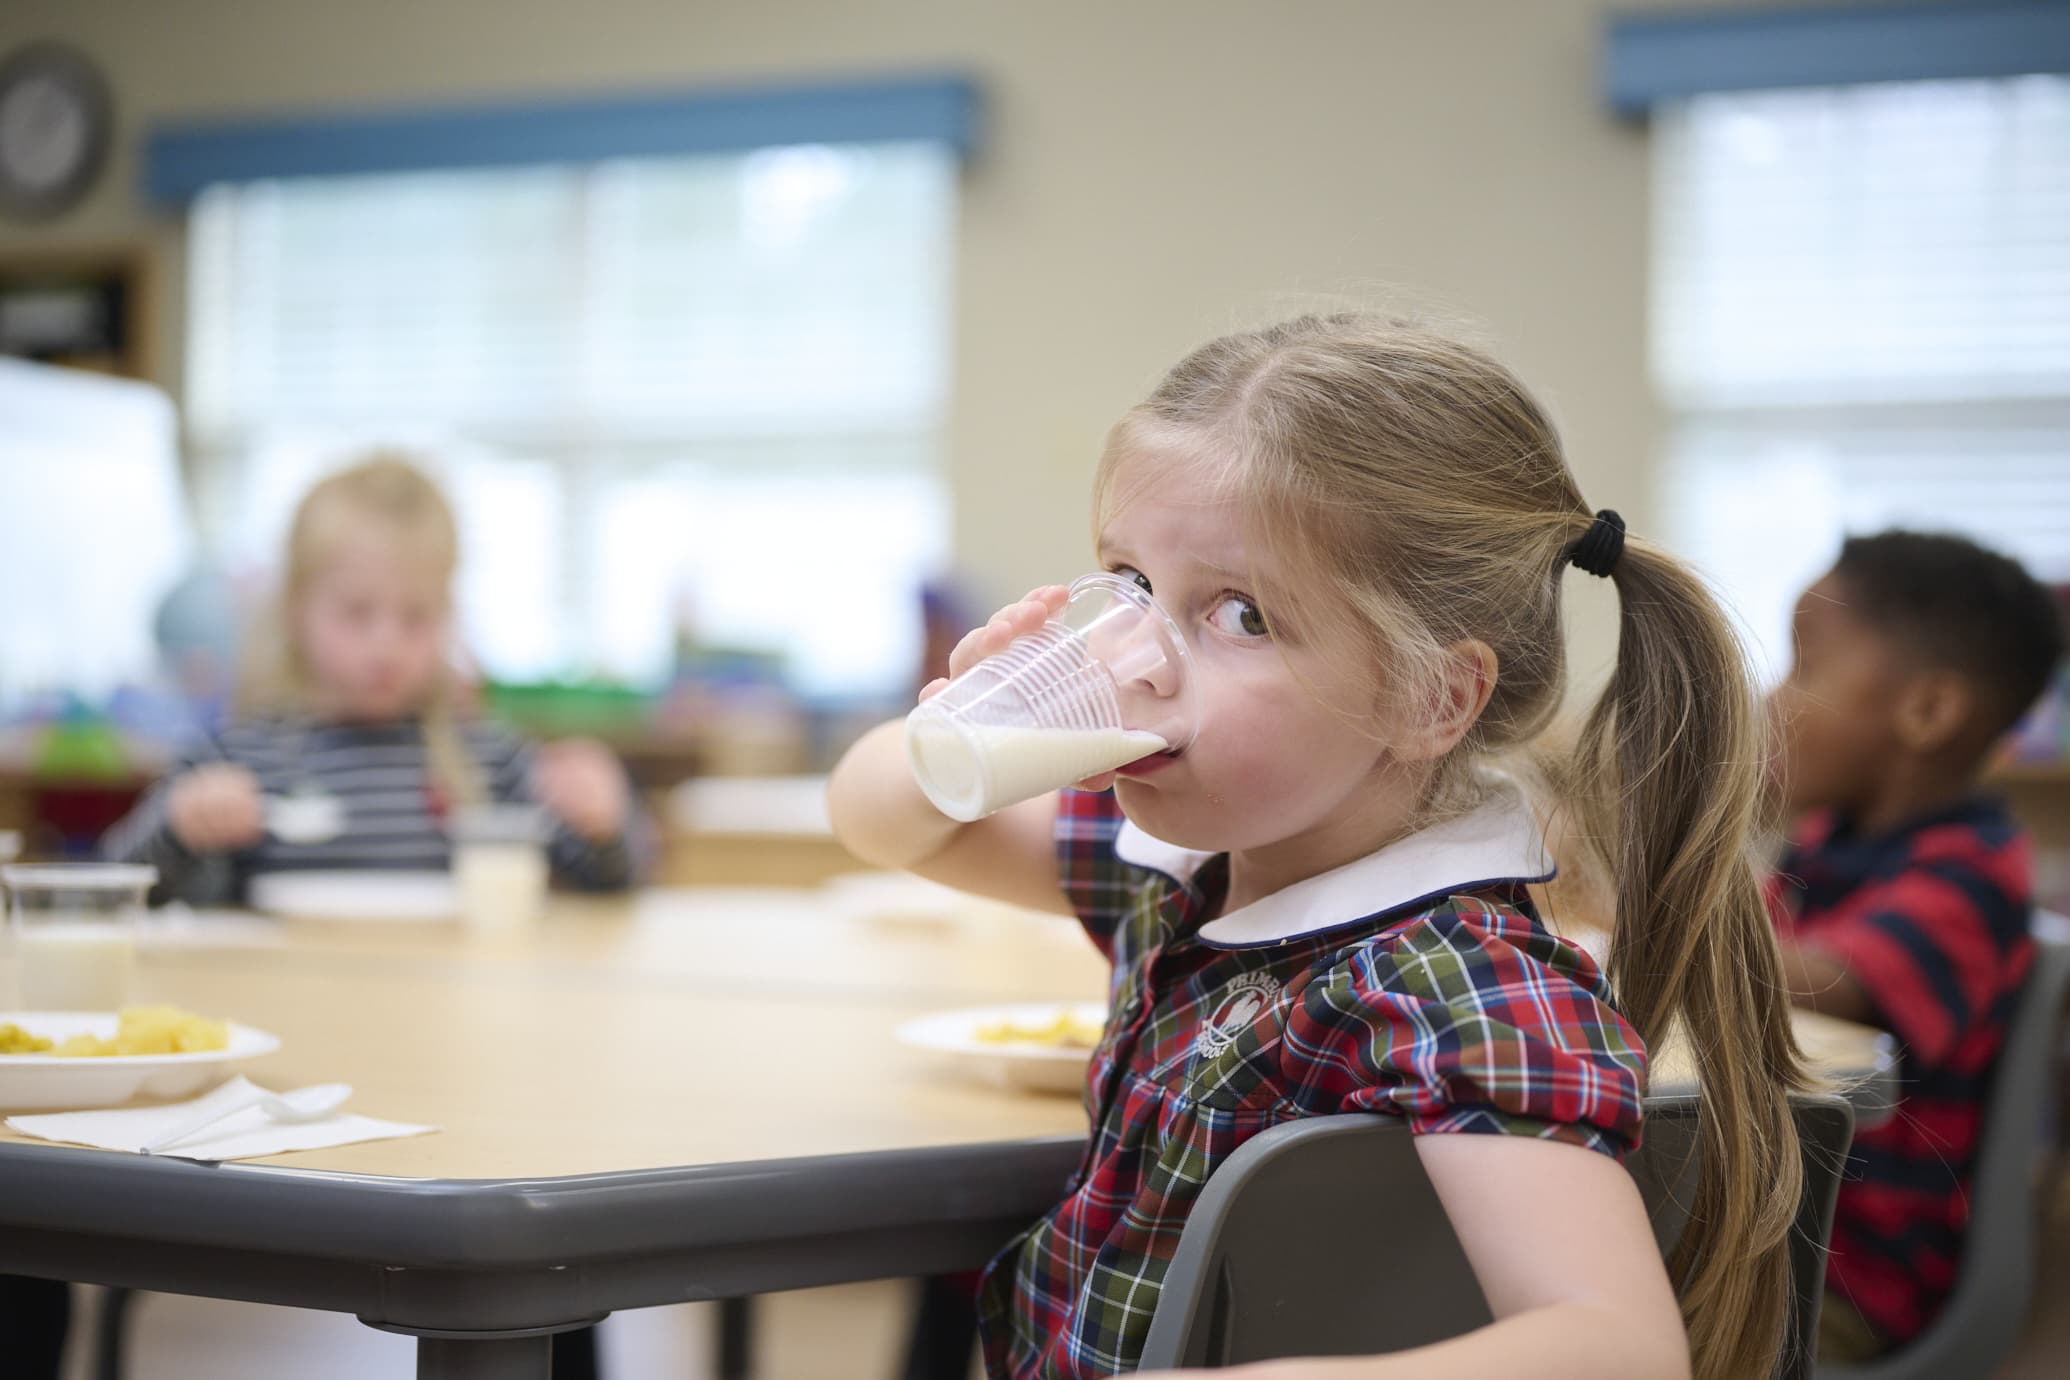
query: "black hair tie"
1597, 549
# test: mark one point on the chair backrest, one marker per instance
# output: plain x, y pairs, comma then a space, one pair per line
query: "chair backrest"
1666, 1168
1324, 1237
1319, 1237
1994, 1283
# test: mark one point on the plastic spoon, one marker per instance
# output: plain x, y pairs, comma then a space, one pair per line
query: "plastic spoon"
304, 819
303, 1104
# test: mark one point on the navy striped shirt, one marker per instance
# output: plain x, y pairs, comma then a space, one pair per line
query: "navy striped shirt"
394, 813
1930, 920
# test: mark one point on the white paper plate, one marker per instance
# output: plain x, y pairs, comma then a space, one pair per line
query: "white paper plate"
343, 895
47, 1083
952, 1035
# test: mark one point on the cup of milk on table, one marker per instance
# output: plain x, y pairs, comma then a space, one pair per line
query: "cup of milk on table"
73, 928
1106, 682
499, 866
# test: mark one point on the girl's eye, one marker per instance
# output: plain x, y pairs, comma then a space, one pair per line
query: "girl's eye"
1129, 572
1238, 617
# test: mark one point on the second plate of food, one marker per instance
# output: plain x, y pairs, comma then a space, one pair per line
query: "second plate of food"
1038, 1046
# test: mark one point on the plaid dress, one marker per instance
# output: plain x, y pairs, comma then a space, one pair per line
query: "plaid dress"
1416, 982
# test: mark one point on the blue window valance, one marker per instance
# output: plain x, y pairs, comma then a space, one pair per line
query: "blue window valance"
180, 159
1650, 58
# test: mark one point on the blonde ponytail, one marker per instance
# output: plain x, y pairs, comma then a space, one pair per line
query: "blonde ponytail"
1667, 777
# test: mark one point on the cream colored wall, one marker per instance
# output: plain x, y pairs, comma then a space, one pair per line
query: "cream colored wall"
1154, 172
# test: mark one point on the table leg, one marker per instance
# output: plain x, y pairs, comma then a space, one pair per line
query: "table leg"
736, 1339
111, 1332
486, 1358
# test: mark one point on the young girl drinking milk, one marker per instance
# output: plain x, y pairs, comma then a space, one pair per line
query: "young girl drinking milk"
351, 699
1319, 905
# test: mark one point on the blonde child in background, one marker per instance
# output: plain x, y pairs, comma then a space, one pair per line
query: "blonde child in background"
1320, 905
352, 696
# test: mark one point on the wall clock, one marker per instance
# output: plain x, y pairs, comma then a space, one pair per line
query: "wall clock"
55, 116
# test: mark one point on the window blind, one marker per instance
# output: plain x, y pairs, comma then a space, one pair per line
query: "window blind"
1860, 319
759, 333
794, 290
1872, 244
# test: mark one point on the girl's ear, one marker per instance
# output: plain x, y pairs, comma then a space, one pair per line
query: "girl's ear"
1468, 681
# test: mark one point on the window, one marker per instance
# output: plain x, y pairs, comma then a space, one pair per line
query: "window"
92, 530
1861, 318
704, 391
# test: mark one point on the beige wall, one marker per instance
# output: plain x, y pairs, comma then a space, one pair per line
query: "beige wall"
1155, 171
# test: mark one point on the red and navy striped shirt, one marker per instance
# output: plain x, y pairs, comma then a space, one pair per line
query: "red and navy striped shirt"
1931, 921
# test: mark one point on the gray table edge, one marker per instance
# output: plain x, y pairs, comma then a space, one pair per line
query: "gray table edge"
506, 1257
443, 1257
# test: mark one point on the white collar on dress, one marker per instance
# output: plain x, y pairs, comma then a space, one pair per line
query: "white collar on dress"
1496, 843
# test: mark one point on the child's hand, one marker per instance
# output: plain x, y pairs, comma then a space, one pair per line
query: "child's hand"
216, 809
1013, 621
579, 781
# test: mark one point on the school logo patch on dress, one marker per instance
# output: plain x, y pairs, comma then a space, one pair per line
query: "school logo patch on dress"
1240, 1004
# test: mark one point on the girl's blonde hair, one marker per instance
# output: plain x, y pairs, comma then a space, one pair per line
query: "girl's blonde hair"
386, 493
1416, 478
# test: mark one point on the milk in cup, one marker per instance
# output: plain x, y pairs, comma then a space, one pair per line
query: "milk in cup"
73, 931
500, 869
1106, 682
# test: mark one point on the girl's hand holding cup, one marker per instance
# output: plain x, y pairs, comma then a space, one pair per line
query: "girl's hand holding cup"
216, 808
580, 782
1013, 621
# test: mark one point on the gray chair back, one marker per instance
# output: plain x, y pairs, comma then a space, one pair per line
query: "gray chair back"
1324, 1237
1666, 1168
1319, 1237
1994, 1282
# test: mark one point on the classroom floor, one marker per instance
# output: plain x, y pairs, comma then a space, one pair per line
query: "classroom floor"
849, 1333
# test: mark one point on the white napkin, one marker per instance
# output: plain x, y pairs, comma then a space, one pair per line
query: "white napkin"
242, 1136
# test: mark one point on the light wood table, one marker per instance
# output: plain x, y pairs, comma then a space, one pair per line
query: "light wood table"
778, 942
540, 1072
685, 1096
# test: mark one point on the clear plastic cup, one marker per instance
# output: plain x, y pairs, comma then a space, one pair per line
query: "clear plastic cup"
499, 866
74, 931
1106, 682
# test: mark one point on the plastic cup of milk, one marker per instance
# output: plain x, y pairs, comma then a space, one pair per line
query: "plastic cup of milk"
500, 867
1106, 682
74, 927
